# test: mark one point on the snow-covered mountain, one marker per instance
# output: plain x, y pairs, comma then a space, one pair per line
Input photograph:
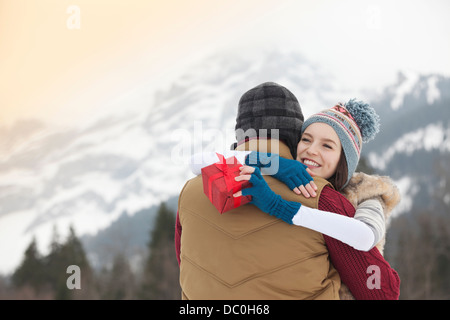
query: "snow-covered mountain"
136, 156
133, 157
414, 135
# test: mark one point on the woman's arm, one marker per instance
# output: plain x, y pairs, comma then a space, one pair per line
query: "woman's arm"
354, 232
371, 213
178, 230
357, 233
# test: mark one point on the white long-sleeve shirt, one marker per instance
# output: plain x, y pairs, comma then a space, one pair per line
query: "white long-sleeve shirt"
361, 232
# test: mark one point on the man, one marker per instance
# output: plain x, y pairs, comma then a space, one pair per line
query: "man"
244, 254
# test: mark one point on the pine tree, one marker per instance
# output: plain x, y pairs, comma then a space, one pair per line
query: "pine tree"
54, 267
31, 270
73, 254
59, 259
160, 274
119, 282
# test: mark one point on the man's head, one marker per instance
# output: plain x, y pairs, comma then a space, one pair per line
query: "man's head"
269, 106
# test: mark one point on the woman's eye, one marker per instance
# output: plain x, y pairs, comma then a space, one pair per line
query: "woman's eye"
327, 146
305, 140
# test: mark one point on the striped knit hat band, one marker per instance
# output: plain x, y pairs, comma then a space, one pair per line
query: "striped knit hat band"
344, 119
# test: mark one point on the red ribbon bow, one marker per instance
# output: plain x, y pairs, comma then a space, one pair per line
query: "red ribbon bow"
228, 176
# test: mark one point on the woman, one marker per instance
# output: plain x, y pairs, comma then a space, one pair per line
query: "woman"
330, 147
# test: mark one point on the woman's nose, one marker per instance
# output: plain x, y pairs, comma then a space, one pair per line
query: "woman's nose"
312, 149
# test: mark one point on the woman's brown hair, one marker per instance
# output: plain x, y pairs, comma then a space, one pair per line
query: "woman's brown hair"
339, 178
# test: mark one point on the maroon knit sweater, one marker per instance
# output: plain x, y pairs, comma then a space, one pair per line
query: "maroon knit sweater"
352, 265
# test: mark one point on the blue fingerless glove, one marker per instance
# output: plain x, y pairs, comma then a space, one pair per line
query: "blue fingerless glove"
291, 172
268, 201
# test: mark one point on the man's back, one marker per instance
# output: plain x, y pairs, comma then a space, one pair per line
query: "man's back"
247, 254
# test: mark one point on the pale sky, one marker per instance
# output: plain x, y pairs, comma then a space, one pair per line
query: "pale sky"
53, 70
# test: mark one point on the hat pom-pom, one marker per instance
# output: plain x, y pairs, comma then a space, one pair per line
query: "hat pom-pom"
365, 117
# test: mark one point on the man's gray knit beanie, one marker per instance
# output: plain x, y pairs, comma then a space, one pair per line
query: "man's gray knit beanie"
270, 106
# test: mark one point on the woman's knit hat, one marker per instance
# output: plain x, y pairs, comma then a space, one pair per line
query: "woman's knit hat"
270, 106
354, 122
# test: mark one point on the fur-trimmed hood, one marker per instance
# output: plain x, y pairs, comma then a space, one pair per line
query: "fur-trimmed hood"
364, 187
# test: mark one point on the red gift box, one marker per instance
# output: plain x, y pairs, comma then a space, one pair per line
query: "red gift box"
219, 184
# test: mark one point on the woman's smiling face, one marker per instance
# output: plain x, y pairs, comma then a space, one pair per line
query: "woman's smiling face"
320, 149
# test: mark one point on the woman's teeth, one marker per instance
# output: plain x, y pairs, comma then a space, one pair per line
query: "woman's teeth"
311, 163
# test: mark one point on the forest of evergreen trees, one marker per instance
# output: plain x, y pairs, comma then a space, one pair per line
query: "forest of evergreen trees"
44, 277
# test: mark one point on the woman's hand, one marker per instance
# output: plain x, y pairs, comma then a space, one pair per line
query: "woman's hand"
296, 175
307, 190
265, 199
